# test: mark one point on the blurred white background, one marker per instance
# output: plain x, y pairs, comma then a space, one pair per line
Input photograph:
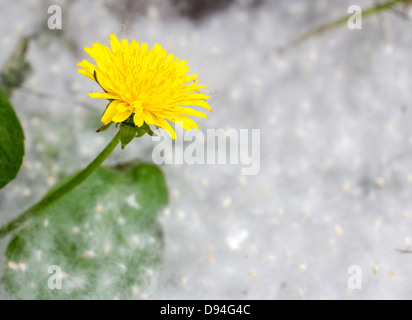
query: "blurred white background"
335, 184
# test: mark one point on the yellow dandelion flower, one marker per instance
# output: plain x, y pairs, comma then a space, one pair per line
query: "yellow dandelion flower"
148, 86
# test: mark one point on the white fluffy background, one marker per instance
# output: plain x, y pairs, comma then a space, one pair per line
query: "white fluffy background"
335, 184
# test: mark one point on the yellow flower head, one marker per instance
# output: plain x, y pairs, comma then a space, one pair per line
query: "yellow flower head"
149, 85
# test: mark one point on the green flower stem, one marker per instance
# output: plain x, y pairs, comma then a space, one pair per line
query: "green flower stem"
62, 190
340, 21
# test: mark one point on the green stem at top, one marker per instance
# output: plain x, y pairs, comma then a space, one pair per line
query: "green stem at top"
340, 21
61, 190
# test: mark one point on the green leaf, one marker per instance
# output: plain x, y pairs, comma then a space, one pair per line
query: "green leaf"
105, 127
127, 133
11, 142
104, 237
15, 69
